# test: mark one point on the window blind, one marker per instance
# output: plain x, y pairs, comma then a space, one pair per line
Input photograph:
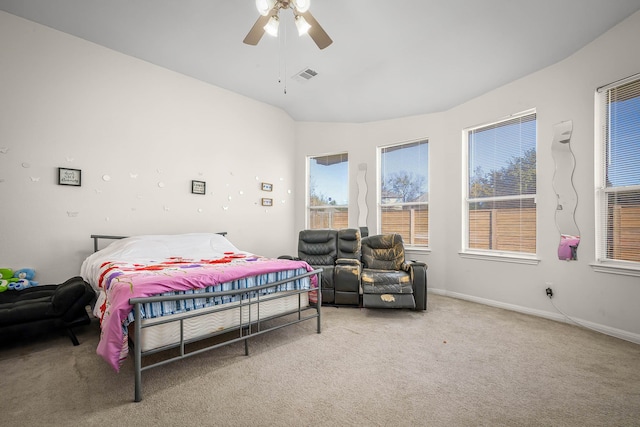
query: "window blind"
620, 161
502, 185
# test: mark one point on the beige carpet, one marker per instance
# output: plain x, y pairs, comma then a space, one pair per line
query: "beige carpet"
458, 364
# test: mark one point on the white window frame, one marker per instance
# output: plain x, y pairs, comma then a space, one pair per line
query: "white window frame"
602, 263
491, 254
408, 245
308, 207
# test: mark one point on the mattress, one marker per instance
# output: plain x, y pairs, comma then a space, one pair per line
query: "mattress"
211, 320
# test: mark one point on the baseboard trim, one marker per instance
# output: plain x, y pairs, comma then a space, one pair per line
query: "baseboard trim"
607, 330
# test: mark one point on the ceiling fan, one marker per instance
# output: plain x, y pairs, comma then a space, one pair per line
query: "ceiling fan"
269, 21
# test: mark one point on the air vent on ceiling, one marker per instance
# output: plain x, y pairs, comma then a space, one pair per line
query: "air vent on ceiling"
305, 75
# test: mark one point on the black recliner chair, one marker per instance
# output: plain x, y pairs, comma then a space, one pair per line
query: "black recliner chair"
39, 309
337, 252
388, 281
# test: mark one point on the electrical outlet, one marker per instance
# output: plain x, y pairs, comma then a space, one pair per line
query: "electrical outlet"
549, 292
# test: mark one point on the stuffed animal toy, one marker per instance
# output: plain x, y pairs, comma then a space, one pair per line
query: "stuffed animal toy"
24, 278
20, 284
6, 274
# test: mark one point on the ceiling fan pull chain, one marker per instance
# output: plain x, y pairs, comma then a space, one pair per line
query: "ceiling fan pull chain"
284, 49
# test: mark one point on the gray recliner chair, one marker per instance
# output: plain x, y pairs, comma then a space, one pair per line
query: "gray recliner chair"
388, 281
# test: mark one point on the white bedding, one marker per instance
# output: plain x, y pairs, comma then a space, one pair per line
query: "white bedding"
154, 248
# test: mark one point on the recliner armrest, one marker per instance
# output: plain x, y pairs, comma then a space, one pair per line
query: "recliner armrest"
347, 281
348, 261
418, 271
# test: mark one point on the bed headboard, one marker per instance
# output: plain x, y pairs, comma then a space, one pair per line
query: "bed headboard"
97, 237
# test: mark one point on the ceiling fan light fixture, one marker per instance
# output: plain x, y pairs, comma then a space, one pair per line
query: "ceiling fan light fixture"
302, 25
268, 22
264, 6
302, 5
272, 26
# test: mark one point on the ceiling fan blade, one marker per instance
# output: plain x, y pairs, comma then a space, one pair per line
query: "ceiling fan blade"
316, 32
257, 31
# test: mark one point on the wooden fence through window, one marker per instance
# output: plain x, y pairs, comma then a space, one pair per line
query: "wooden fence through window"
624, 239
411, 224
511, 230
335, 218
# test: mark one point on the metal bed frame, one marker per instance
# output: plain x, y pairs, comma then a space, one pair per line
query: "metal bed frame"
245, 329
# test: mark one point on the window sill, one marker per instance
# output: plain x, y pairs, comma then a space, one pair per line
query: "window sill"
501, 257
616, 268
417, 249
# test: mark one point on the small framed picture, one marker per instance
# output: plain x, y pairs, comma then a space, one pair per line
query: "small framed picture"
267, 202
198, 187
69, 177
267, 187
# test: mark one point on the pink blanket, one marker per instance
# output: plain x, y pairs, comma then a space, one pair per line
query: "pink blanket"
125, 281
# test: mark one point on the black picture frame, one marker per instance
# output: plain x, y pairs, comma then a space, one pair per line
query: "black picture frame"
71, 177
198, 187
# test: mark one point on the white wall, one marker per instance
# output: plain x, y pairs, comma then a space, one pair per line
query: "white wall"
65, 102
565, 91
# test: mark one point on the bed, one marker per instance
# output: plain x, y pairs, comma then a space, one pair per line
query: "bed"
162, 292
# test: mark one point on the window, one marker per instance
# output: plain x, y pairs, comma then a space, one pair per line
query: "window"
328, 191
501, 186
618, 192
404, 192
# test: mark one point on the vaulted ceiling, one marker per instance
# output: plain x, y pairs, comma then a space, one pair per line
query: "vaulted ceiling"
387, 60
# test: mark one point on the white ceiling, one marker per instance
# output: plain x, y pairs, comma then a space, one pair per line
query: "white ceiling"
389, 59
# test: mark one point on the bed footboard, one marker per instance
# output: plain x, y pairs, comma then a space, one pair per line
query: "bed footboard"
250, 323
